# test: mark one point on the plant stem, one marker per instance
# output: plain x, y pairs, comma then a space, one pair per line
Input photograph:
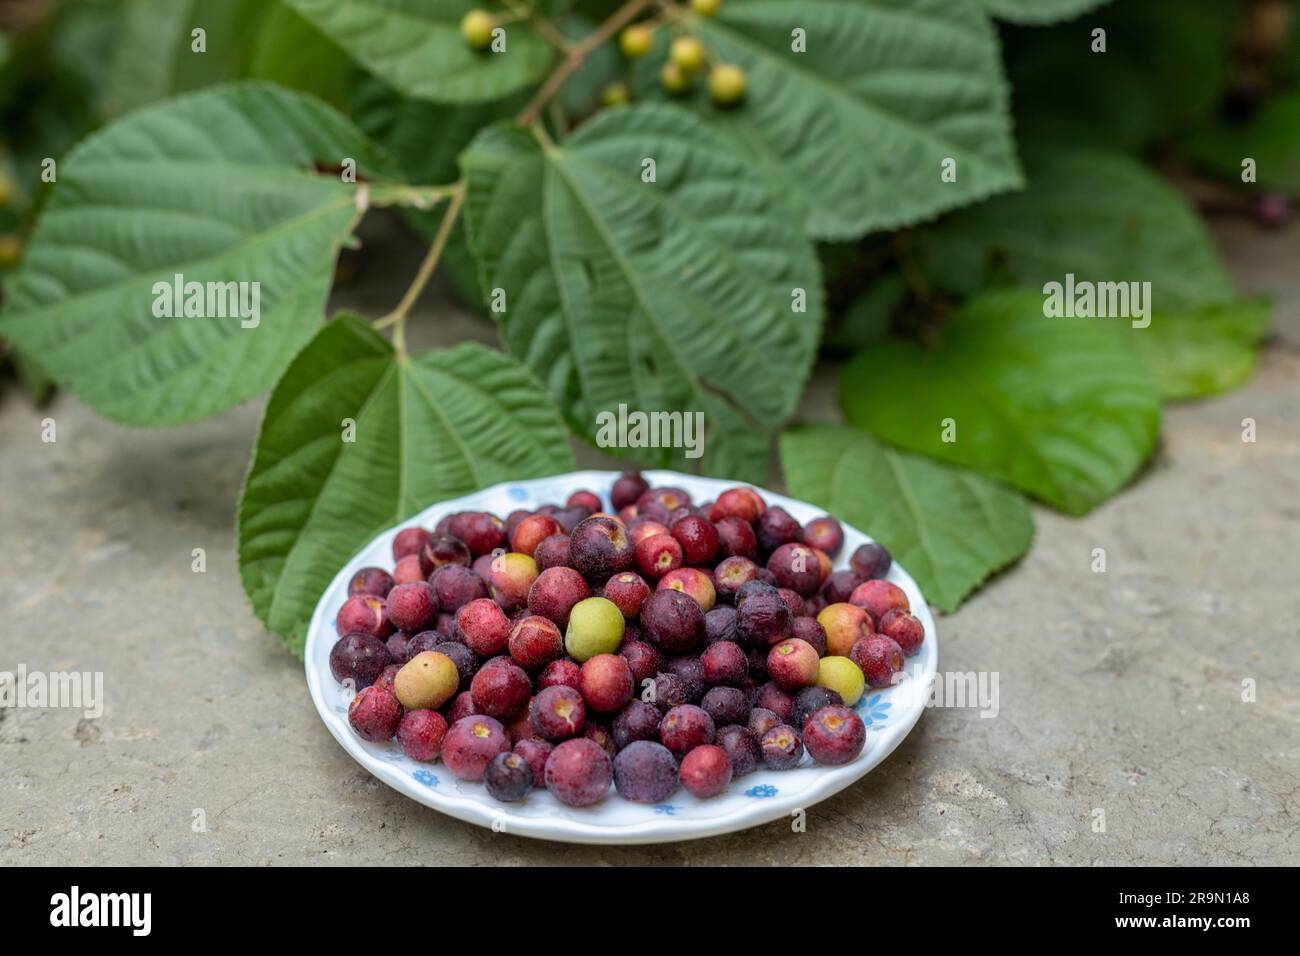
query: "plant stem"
545, 28
577, 54
398, 316
420, 197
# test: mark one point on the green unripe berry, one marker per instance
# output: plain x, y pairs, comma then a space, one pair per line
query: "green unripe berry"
674, 79
595, 627
635, 41
615, 94
706, 8
688, 54
476, 27
727, 84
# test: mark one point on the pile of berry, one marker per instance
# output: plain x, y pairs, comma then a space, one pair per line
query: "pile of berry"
671, 644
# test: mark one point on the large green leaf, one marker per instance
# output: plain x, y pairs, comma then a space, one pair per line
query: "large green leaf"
428, 427
674, 295
217, 186
152, 55
949, 527
1106, 218
289, 50
1099, 215
1038, 12
1063, 409
1204, 351
857, 129
416, 46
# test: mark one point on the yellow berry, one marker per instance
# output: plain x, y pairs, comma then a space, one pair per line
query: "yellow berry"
706, 8
727, 84
635, 41
842, 676
615, 94
476, 28
674, 79
688, 54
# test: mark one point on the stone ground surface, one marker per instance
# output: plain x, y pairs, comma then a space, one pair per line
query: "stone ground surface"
1120, 692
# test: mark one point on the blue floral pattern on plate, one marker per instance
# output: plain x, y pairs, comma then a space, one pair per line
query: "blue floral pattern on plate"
667, 809
873, 711
426, 777
762, 790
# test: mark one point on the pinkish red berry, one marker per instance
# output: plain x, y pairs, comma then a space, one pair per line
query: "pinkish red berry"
412, 607
409, 541
373, 581
578, 772
420, 734
834, 735
879, 658
904, 627
879, 597
364, 614
471, 743
705, 771
374, 714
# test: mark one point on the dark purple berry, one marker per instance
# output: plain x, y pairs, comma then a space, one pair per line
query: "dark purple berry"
645, 772
637, 721
359, 658
871, 561
781, 747
508, 777
741, 745
726, 705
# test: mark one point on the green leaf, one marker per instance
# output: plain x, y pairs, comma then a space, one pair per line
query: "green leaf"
1098, 215
1204, 351
856, 129
673, 295
428, 427
948, 527
416, 46
152, 55
1269, 138
217, 186
1039, 12
1063, 409
289, 50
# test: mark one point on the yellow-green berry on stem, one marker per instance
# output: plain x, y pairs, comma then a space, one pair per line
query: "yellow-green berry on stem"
635, 41
688, 54
674, 79
476, 27
615, 94
727, 84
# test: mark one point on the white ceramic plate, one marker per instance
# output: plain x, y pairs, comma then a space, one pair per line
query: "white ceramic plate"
760, 797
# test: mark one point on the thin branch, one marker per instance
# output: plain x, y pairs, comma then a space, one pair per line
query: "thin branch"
548, 30
398, 316
577, 54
